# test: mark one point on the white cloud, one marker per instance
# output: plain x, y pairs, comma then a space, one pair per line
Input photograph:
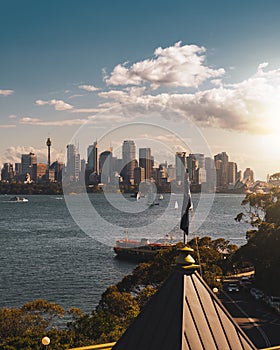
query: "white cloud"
7, 126
173, 66
89, 88
59, 105
249, 106
6, 92
12, 116
13, 154
67, 122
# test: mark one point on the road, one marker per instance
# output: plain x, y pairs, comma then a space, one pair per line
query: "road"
259, 321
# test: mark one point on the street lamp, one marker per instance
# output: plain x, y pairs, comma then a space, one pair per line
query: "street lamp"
46, 341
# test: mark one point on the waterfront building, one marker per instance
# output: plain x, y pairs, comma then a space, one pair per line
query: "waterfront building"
41, 170
248, 175
7, 172
239, 176
221, 162
106, 167
129, 161
232, 172
92, 155
210, 174
139, 175
201, 160
27, 162
18, 169
180, 162
73, 165
57, 168
192, 165
145, 161
171, 172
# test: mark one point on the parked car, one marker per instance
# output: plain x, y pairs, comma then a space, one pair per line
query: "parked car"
273, 301
257, 293
245, 282
232, 288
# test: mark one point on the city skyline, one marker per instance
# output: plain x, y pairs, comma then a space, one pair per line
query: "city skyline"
133, 157
70, 66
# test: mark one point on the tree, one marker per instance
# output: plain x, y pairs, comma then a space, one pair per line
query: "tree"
263, 241
25, 327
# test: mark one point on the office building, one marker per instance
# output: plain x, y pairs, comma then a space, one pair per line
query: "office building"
232, 172
145, 161
27, 162
73, 165
92, 155
180, 162
129, 160
106, 167
221, 162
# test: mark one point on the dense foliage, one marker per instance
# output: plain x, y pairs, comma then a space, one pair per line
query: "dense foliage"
263, 240
15, 188
23, 329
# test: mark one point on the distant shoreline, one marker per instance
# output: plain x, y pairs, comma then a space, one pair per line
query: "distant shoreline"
56, 188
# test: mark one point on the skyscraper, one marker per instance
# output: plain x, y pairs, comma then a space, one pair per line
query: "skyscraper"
145, 161
73, 166
232, 172
27, 162
106, 168
180, 162
222, 168
129, 161
92, 161
248, 175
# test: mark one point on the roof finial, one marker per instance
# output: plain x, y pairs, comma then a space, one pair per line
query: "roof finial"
185, 260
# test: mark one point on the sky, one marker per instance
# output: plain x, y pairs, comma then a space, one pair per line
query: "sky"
188, 75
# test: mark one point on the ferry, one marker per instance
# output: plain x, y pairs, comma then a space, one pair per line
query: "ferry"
139, 251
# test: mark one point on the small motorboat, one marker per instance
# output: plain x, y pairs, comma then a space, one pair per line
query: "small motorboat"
17, 199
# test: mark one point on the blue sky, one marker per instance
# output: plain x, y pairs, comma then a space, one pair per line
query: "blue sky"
67, 62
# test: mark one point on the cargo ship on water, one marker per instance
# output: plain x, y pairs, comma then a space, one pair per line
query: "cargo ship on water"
139, 251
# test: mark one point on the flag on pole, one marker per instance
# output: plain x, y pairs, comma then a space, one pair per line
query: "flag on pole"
187, 205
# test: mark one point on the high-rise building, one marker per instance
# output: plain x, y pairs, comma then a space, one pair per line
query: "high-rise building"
92, 161
232, 172
106, 166
145, 161
129, 160
222, 168
27, 162
7, 172
57, 167
41, 171
139, 175
248, 175
73, 165
180, 162
18, 169
192, 165
201, 160
211, 174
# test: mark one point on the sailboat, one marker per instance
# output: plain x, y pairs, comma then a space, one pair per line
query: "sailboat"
161, 196
176, 205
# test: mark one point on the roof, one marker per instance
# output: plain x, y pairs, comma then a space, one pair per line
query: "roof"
184, 315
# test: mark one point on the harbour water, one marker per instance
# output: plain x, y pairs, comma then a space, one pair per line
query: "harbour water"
45, 254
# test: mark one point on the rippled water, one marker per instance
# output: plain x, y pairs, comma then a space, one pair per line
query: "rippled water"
44, 254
